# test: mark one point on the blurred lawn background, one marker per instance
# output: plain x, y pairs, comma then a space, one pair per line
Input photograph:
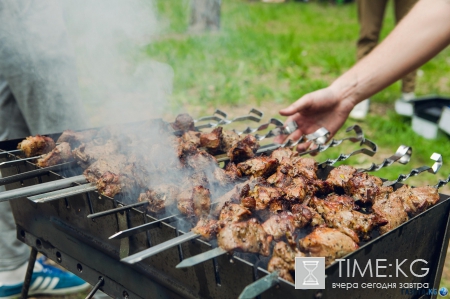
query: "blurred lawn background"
267, 55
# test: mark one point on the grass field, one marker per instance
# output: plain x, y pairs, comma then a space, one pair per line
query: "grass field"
268, 55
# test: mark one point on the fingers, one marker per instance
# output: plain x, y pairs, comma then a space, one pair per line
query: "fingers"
294, 107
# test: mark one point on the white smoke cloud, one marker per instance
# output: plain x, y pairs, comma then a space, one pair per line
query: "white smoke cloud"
118, 82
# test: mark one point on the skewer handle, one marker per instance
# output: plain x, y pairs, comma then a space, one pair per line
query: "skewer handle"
40, 188
137, 257
259, 286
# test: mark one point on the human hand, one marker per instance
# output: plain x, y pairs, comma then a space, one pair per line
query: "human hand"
321, 108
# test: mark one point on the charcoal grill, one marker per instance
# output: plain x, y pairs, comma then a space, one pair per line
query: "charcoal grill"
61, 231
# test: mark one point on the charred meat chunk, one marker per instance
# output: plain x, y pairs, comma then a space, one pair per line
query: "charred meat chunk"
281, 153
390, 207
343, 199
207, 228
283, 260
306, 167
281, 177
88, 153
363, 187
280, 224
264, 195
76, 138
112, 174
344, 218
339, 176
183, 122
191, 137
247, 236
416, 200
258, 167
232, 212
228, 140
211, 141
195, 202
160, 197
201, 161
329, 243
232, 171
36, 145
307, 214
61, 153
243, 149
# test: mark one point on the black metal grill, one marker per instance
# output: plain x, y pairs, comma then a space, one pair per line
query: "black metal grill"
61, 230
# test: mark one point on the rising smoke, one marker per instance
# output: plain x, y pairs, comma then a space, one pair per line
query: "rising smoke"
118, 82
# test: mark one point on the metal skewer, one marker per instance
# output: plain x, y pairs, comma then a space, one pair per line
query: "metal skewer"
139, 229
442, 183
49, 196
16, 162
44, 187
402, 155
342, 157
116, 210
261, 285
433, 169
12, 152
323, 147
132, 259
34, 173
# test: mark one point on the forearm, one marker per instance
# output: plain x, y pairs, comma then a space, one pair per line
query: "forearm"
417, 38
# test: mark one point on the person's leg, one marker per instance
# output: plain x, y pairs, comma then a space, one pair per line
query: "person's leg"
38, 94
36, 60
402, 7
370, 17
12, 125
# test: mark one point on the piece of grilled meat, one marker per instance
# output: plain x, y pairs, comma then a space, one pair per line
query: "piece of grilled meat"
340, 175
228, 140
211, 141
61, 153
183, 122
36, 145
232, 212
195, 202
160, 197
329, 243
112, 174
77, 138
246, 236
416, 200
363, 187
281, 153
258, 167
206, 227
390, 208
286, 223
283, 260
244, 149
87, 153
342, 217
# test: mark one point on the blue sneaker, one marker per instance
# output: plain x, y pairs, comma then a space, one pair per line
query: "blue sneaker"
46, 280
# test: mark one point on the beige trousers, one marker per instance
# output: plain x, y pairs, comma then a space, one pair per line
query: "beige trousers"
370, 16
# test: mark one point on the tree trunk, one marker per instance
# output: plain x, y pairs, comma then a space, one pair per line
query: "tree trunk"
205, 15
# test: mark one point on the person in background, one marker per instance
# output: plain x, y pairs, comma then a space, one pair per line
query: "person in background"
370, 17
422, 34
38, 95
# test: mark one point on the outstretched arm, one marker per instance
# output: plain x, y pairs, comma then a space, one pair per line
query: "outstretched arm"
423, 33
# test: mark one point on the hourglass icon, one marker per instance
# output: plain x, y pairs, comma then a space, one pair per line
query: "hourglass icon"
310, 279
